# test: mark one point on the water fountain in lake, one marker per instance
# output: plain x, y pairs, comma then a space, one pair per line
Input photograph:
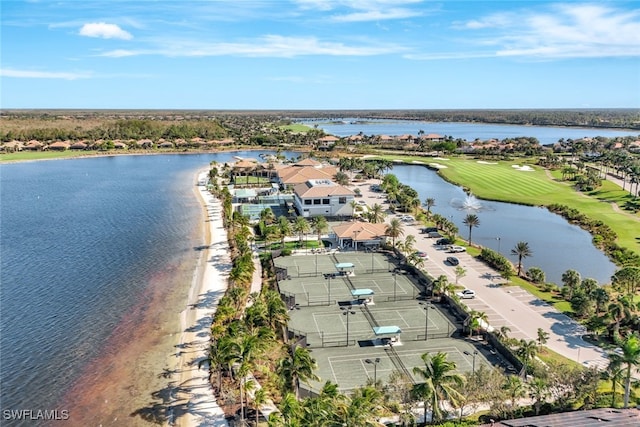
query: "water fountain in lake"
469, 204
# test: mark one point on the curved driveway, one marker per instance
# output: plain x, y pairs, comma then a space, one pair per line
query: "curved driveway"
512, 306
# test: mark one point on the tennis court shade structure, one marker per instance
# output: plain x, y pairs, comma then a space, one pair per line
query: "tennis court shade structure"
361, 293
344, 266
386, 330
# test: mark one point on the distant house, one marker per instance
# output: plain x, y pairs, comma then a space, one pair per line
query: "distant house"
327, 142
322, 197
359, 234
80, 145
432, 137
33, 145
406, 138
59, 146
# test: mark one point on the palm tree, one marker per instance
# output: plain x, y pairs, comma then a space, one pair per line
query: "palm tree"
538, 391
527, 351
476, 320
615, 374
320, 226
440, 284
571, 280
440, 382
429, 203
267, 216
276, 311
302, 227
543, 337
299, 366
260, 397
503, 333
353, 205
285, 229
630, 356
471, 221
515, 389
617, 311
394, 230
376, 214
522, 251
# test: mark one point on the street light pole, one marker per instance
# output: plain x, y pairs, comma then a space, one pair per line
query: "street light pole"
374, 362
347, 312
426, 306
498, 239
371, 261
473, 365
395, 284
316, 263
328, 277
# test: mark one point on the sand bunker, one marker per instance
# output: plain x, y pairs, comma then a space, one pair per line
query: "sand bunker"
525, 168
482, 162
437, 166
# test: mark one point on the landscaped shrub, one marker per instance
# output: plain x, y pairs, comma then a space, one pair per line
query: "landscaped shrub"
497, 261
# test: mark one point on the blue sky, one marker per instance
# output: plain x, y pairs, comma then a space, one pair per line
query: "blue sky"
319, 54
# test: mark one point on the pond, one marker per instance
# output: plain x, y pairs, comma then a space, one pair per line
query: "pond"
557, 246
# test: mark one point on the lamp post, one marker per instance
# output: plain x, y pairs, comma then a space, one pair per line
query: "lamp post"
498, 239
426, 306
371, 261
374, 362
474, 354
395, 284
328, 277
346, 311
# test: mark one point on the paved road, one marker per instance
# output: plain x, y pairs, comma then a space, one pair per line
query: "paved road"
522, 312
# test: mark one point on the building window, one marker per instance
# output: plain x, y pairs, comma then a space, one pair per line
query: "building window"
326, 201
307, 202
342, 200
316, 201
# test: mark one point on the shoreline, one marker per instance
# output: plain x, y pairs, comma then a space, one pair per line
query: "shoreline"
195, 403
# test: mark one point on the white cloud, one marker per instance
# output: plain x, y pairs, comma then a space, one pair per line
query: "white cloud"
561, 31
362, 10
274, 46
376, 15
31, 74
105, 31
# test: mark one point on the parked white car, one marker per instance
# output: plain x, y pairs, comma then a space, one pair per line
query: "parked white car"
406, 218
456, 249
466, 294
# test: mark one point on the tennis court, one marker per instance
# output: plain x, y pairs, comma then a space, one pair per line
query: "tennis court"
319, 262
355, 338
332, 283
350, 369
326, 326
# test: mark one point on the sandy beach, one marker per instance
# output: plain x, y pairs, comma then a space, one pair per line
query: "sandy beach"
195, 403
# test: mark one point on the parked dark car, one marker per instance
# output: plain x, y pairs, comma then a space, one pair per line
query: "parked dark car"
426, 230
453, 260
444, 241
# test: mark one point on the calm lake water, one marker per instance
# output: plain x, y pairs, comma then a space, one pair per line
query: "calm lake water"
466, 131
557, 246
82, 241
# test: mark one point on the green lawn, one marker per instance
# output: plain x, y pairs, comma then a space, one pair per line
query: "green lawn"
40, 155
296, 127
502, 182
